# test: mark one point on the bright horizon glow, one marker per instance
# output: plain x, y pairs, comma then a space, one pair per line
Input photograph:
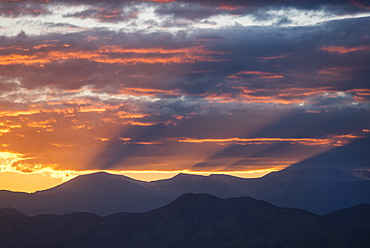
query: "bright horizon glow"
45, 179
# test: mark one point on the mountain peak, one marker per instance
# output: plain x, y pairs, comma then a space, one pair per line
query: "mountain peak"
93, 183
352, 156
10, 211
190, 200
187, 175
100, 176
103, 174
223, 176
196, 196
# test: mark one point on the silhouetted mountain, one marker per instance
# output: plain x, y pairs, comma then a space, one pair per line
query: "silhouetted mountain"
99, 193
354, 217
310, 190
10, 211
330, 181
217, 185
342, 164
352, 156
321, 185
97, 183
192, 220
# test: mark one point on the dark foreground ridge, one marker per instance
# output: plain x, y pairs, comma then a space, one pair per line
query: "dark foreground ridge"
192, 220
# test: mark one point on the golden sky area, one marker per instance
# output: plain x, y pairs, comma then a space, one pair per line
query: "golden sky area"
150, 89
32, 182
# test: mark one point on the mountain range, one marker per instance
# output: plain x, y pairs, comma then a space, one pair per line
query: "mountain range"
330, 181
192, 220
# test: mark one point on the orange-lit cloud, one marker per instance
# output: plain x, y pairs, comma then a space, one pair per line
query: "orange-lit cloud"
335, 71
259, 74
108, 55
342, 49
157, 1
43, 1
228, 7
250, 98
332, 140
42, 124
23, 10
44, 45
8, 159
102, 139
126, 115
361, 92
361, 5
107, 14
149, 92
14, 47
18, 113
296, 92
139, 123
4, 130
286, 96
62, 145
142, 143
273, 57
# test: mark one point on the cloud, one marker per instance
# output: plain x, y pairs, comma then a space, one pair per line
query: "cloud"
341, 49
361, 4
17, 9
258, 74
107, 14
183, 85
192, 11
262, 141
109, 55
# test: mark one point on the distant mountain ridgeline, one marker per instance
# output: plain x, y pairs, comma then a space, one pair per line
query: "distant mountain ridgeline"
331, 181
192, 220
316, 190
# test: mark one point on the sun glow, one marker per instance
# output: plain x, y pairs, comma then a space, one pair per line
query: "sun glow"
153, 88
41, 177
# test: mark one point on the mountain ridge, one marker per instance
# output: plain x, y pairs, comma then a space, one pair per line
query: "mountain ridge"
320, 188
104, 193
191, 220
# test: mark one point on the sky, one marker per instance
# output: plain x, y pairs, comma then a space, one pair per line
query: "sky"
150, 89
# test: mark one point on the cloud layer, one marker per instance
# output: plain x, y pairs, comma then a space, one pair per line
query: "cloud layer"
180, 85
